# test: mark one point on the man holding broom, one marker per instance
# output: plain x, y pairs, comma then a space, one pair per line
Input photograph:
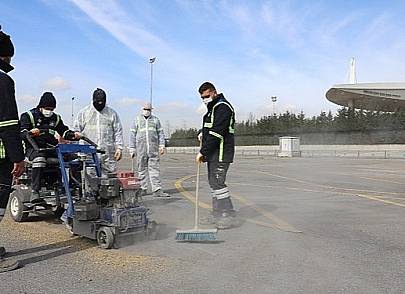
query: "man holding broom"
217, 149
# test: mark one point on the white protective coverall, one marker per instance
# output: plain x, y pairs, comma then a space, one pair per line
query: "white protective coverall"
146, 137
105, 129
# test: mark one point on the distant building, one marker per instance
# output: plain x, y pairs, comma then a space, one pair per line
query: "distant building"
388, 97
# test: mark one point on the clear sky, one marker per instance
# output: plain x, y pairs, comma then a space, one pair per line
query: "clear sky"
251, 50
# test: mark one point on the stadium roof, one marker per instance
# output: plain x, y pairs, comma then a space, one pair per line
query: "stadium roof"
369, 96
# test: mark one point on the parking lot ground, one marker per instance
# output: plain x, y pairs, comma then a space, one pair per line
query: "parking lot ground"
308, 225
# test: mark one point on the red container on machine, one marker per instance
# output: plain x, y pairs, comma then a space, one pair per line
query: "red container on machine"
128, 180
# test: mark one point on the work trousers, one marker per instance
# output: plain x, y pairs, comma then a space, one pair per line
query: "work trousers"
38, 164
221, 198
149, 166
6, 166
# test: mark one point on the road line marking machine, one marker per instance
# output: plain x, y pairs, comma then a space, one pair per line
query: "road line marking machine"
96, 206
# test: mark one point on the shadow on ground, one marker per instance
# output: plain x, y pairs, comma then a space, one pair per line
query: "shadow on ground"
64, 247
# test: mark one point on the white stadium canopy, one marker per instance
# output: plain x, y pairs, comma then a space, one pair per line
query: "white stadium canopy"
388, 97
369, 96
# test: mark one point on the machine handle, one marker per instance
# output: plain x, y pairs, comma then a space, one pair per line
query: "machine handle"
92, 144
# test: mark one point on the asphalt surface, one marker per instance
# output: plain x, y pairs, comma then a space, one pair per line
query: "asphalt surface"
308, 225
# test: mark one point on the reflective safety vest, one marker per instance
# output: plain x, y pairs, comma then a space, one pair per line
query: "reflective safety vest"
2, 150
6, 124
51, 131
224, 151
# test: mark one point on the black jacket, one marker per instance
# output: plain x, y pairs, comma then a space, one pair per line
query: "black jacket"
218, 142
9, 126
47, 125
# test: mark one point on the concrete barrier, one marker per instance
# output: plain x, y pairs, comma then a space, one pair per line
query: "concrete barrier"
353, 151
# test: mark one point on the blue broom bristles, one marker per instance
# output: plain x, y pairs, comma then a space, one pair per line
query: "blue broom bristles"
196, 236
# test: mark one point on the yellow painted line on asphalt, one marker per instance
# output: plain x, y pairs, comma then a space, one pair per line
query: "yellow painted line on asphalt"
263, 224
290, 188
401, 172
379, 198
280, 224
381, 180
255, 165
327, 186
389, 197
367, 178
179, 186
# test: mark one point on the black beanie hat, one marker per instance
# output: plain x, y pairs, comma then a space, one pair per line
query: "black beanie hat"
6, 46
47, 100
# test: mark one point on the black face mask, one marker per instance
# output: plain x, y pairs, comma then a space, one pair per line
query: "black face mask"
99, 103
6, 67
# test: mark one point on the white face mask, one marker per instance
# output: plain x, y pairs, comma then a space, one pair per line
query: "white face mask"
207, 100
47, 113
146, 112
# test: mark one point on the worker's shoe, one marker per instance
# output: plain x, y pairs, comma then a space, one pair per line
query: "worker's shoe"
211, 218
7, 265
226, 220
35, 198
3, 252
208, 220
68, 222
69, 226
160, 193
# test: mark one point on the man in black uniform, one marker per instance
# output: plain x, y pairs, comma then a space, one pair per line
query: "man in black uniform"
11, 150
218, 148
41, 123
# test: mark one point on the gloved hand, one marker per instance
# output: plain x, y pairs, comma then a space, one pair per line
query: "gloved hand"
132, 154
35, 132
199, 158
199, 137
118, 155
162, 150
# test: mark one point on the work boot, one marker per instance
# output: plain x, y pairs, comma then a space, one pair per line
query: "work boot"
160, 193
68, 222
35, 197
211, 218
226, 220
207, 220
69, 226
2, 251
7, 265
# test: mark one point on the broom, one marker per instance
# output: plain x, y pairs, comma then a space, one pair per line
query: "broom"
197, 234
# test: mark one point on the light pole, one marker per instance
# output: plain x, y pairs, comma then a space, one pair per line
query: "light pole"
274, 100
73, 117
151, 61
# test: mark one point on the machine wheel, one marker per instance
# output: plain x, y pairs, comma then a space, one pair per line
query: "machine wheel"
105, 237
17, 208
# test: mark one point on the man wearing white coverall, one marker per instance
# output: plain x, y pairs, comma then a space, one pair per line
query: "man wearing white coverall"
101, 124
147, 143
